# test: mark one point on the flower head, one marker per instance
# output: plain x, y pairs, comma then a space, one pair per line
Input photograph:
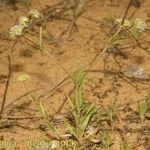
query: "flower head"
23, 77
35, 14
118, 20
24, 21
16, 31
125, 24
140, 25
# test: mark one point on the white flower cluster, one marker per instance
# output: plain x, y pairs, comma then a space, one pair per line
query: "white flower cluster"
137, 24
126, 22
34, 13
140, 25
23, 23
16, 31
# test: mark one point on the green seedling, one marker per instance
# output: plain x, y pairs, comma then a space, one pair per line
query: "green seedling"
106, 140
78, 79
22, 78
81, 113
44, 115
132, 28
142, 108
111, 111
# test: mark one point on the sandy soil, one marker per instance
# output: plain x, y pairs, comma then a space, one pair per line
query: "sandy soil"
46, 72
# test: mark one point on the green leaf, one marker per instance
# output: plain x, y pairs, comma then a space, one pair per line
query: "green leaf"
71, 129
78, 99
87, 117
42, 109
78, 77
142, 108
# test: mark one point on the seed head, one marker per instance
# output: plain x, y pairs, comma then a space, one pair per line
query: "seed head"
24, 21
23, 77
16, 31
125, 24
35, 14
140, 25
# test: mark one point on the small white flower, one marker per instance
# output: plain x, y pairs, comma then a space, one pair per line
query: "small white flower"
34, 13
118, 20
16, 31
23, 77
54, 144
140, 25
126, 22
24, 21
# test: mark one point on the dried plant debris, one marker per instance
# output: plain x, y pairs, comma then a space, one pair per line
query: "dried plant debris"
135, 71
3, 78
136, 3
26, 53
